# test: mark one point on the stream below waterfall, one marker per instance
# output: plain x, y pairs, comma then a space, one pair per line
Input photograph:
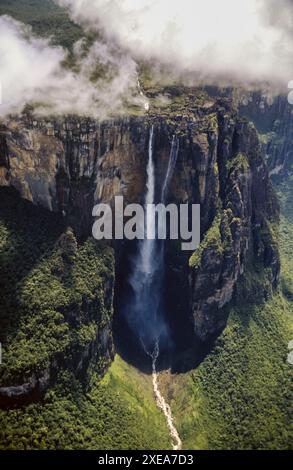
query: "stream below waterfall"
161, 402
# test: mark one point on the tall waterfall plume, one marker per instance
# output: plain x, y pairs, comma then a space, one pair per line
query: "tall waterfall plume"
146, 308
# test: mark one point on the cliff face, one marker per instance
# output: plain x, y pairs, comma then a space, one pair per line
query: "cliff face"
69, 165
273, 118
239, 240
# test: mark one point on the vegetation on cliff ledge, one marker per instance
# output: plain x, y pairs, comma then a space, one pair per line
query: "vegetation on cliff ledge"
238, 163
212, 241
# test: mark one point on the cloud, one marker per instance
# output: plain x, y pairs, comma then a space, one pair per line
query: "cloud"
32, 71
208, 40
247, 40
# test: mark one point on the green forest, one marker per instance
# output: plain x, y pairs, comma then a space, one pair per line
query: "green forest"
45, 18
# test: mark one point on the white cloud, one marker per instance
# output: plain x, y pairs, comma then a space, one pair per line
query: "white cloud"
32, 71
247, 40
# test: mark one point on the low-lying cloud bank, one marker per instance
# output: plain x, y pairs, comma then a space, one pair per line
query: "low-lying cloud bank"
246, 41
32, 71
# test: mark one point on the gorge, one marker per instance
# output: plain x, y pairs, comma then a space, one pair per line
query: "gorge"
67, 166
56, 170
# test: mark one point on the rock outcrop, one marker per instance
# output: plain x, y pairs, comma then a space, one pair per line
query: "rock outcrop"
240, 237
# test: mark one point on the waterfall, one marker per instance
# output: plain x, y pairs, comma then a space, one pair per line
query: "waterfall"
171, 167
145, 305
145, 311
148, 245
151, 258
146, 103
